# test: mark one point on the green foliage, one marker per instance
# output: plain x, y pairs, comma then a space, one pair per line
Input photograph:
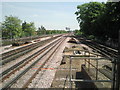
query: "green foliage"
99, 19
41, 30
87, 15
11, 27
91, 37
28, 29
112, 14
78, 32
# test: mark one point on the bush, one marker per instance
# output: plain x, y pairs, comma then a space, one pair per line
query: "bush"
91, 37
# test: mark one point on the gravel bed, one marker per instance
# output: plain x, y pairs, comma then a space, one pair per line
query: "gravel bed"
45, 77
8, 65
101, 63
28, 74
17, 72
10, 47
83, 45
19, 83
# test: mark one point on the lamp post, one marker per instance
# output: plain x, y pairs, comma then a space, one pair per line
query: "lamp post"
67, 28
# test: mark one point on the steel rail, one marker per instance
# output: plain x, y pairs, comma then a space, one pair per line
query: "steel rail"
9, 52
39, 69
82, 80
7, 56
12, 52
104, 51
105, 54
10, 83
36, 45
24, 60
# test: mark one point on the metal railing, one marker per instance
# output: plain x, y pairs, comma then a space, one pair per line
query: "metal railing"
87, 61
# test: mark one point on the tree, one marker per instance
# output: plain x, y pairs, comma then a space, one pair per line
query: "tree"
78, 32
99, 19
11, 27
28, 29
113, 18
87, 14
41, 30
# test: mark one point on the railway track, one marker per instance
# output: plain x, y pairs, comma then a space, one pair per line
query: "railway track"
103, 50
13, 54
109, 53
17, 62
44, 65
30, 63
22, 63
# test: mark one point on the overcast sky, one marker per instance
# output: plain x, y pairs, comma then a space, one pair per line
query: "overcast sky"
52, 15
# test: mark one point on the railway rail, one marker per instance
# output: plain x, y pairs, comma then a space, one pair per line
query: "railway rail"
10, 66
104, 50
15, 76
108, 69
19, 64
43, 65
13, 54
40, 53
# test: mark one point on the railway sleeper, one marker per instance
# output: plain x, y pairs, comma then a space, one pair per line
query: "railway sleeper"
26, 59
9, 84
13, 52
19, 54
